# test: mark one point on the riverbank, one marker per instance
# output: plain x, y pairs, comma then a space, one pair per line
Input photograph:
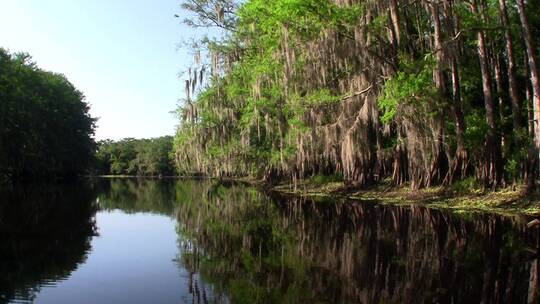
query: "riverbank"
148, 176
461, 197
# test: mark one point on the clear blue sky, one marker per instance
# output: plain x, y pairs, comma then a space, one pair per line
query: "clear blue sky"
121, 53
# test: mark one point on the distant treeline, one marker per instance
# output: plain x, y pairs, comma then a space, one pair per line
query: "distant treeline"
47, 133
142, 157
45, 128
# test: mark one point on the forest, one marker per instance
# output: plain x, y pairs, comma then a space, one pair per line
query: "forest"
46, 131
136, 157
417, 93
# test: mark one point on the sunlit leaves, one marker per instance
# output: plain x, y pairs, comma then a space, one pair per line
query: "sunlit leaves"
413, 85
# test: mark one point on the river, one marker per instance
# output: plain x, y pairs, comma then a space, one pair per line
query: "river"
192, 241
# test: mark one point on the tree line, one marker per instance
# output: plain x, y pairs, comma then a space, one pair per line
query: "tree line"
45, 128
141, 157
417, 92
47, 133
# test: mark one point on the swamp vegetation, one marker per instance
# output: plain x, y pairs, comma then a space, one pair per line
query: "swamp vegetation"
136, 157
418, 93
329, 97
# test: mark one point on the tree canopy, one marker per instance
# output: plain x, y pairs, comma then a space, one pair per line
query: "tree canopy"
417, 92
45, 128
141, 157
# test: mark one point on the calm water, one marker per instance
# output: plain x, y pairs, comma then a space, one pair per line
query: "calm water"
130, 241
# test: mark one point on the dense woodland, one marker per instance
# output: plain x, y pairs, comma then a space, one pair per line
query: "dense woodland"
45, 128
413, 92
141, 157
47, 133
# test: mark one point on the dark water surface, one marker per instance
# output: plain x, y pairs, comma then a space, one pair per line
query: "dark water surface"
186, 241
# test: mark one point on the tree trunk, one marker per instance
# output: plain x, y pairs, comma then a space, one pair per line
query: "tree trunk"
511, 67
459, 165
491, 172
458, 168
531, 55
400, 166
530, 109
437, 44
436, 174
395, 20
500, 93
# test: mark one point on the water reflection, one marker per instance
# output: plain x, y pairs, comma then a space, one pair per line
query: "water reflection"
194, 241
137, 195
45, 234
258, 249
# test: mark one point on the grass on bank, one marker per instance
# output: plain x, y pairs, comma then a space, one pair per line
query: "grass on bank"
462, 196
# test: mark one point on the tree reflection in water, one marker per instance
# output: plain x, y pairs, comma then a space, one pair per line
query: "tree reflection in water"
45, 234
241, 245
161, 197
255, 248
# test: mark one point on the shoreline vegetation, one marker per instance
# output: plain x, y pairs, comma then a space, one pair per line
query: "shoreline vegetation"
431, 102
443, 122
46, 130
510, 201
428, 105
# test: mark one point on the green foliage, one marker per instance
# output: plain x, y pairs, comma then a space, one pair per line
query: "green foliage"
247, 101
150, 157
321, 179
465, 185
476, 130
413, 86
45, 128
321, 97
307, 87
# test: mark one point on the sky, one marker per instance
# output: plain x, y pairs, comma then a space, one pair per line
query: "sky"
122, 54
